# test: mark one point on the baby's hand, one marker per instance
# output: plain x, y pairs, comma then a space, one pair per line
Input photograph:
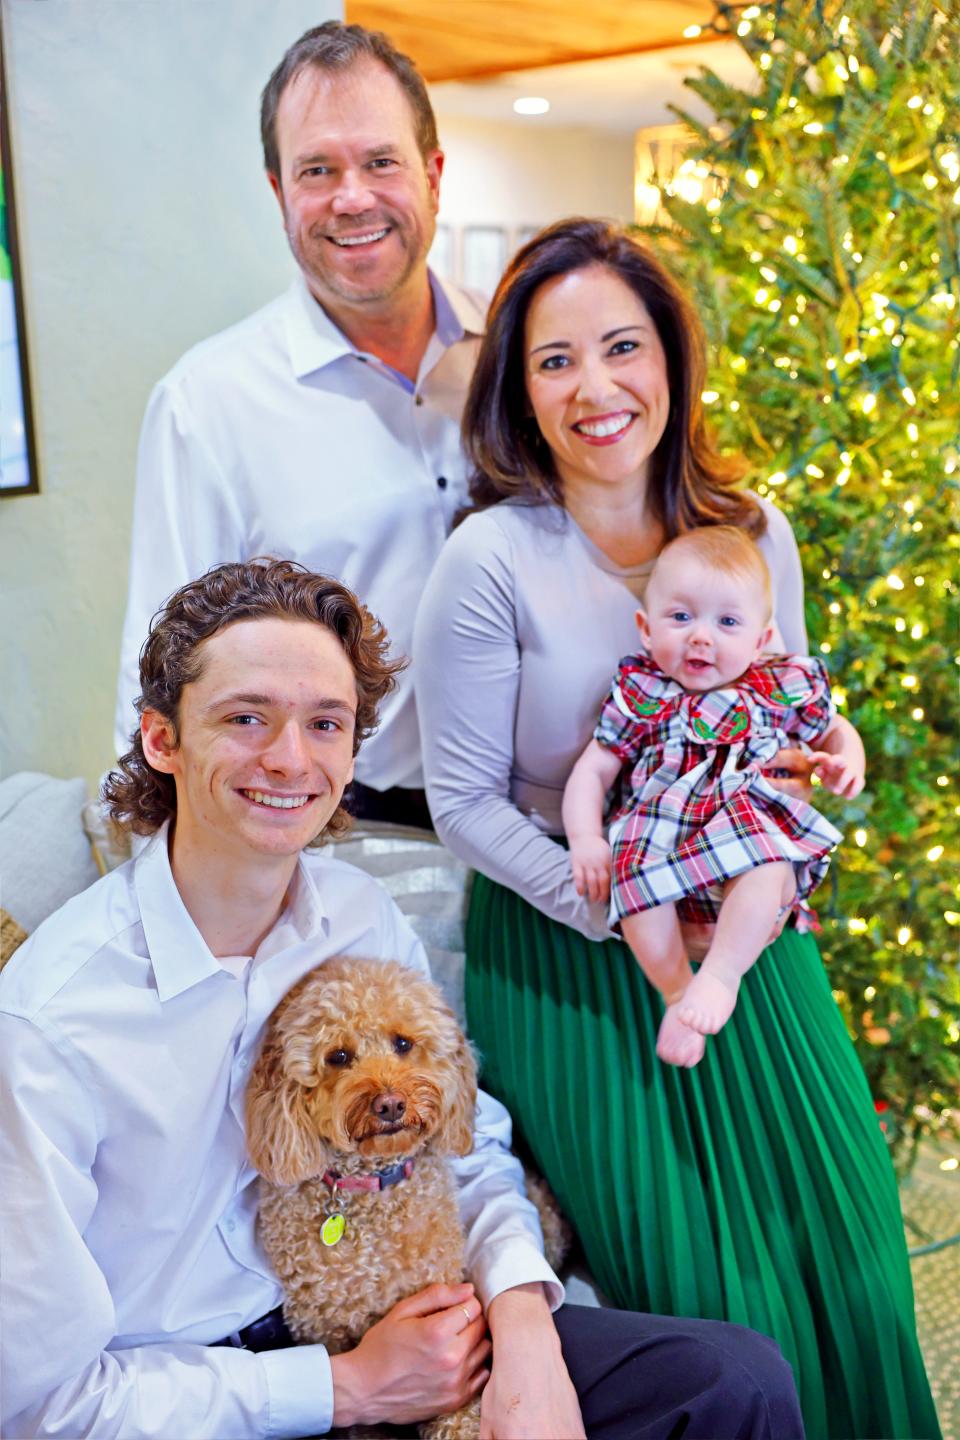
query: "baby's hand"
843, 776
591, 866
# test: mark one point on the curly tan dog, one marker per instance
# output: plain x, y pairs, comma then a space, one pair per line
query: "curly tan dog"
364, 1080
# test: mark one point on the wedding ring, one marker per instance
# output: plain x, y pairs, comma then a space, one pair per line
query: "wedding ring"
467, 1313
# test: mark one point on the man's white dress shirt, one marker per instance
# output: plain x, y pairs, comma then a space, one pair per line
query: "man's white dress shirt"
127, 1201
277, 437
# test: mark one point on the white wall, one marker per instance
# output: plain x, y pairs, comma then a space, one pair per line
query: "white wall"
145, 224
521, 173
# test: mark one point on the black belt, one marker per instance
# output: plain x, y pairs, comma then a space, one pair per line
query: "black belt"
268, 1333
399, 805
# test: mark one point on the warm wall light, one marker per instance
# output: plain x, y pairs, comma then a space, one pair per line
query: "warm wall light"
531, 105
661, 166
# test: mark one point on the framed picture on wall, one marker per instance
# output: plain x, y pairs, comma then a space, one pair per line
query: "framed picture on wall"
442, 255
484, 256
18, 458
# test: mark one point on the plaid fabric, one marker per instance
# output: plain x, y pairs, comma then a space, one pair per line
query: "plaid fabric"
694, 808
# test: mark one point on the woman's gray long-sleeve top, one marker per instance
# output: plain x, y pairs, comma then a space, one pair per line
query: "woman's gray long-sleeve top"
518, 634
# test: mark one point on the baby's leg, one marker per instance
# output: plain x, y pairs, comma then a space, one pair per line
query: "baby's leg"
751, 904
654, 937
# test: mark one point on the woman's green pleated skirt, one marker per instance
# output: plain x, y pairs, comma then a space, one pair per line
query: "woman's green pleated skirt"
754, 1188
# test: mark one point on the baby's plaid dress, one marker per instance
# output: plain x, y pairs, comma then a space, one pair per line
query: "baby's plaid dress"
693, 807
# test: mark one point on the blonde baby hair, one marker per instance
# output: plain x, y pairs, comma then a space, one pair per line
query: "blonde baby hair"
725, 548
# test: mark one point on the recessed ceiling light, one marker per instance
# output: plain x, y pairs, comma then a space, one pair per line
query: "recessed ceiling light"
531, 105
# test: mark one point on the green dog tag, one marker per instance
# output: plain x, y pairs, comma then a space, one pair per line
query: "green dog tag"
332, 1229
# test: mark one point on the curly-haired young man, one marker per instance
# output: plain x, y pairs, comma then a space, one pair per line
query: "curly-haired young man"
137, 1300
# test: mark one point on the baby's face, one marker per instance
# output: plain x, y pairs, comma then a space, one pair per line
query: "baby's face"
703, 627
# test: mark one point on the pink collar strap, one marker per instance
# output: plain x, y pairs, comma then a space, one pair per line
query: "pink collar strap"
377, 1180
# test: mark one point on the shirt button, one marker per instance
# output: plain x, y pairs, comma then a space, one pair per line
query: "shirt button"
231, 1226
441, 482
418, 400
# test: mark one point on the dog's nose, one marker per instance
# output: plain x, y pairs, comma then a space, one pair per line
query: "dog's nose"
388, 1106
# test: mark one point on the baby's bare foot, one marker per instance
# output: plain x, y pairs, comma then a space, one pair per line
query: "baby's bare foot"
708, 1002
677, 1043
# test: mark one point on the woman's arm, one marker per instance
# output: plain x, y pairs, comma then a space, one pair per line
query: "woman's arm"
783, 559
466, 661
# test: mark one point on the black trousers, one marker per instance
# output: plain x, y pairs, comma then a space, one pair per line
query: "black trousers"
652, 1377
400, 806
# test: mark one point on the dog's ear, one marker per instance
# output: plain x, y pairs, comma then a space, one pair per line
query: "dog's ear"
455, 1136
281, 1136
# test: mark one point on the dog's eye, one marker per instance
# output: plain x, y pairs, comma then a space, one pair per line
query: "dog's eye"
339, 1057
401, 1044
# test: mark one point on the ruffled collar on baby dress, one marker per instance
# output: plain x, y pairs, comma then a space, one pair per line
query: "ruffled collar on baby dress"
726, 716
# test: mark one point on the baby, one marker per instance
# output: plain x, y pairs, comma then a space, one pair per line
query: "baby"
697, 831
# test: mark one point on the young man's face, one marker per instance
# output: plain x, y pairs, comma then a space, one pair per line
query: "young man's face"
266, 739
359, 200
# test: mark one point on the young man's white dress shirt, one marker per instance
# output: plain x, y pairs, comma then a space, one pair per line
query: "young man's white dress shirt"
126, 1197
277, 437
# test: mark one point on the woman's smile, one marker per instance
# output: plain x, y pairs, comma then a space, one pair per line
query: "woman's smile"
604, 429
596, 378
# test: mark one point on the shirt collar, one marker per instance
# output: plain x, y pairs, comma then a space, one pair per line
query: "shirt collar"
459, 312
178, 952
314, 341
303, 917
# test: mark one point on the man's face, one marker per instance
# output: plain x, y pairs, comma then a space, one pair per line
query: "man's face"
266, 739
359, 201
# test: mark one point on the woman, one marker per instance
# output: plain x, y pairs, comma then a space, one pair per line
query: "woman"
755, 1188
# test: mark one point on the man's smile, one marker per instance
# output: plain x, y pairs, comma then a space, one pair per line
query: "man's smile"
276, 802
364, 237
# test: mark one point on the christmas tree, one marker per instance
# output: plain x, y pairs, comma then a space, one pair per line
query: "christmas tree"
827, 270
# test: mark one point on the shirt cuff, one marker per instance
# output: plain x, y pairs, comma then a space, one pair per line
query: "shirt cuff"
515, 1264
299, 1391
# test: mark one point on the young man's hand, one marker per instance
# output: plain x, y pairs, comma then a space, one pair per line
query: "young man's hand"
592, 864
529, 1392
428, 1356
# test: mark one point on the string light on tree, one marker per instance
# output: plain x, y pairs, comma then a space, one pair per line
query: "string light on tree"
832, 293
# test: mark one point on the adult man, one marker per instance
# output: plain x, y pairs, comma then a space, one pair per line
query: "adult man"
127, 1026
325, 426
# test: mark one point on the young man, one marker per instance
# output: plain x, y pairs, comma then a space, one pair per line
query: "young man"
326, 425
137, 1301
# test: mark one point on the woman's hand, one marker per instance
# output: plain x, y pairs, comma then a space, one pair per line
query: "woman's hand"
698, 938
791, 771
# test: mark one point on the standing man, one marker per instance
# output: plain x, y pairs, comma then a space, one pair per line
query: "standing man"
137, 1301
325, 426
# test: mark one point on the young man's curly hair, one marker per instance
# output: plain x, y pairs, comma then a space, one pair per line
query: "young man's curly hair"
139, 798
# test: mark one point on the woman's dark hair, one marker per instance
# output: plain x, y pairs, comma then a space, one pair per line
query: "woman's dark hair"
692, 483
139, 798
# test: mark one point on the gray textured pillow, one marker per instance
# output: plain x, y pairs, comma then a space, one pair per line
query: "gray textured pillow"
45, 857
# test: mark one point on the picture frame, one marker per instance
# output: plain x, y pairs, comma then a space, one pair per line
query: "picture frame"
19, 473
484, 256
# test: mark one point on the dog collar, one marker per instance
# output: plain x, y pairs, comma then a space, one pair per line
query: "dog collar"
378, 1180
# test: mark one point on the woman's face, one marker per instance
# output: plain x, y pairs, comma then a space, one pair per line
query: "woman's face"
596, 378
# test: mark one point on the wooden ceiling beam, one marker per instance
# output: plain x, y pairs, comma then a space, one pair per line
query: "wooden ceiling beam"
477, 39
